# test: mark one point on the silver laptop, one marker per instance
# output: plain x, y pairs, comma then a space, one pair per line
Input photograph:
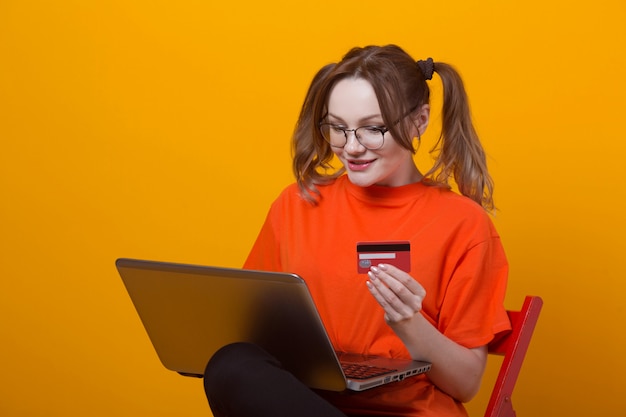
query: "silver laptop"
191, 311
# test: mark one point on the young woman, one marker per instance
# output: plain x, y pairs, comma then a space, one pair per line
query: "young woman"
370, 110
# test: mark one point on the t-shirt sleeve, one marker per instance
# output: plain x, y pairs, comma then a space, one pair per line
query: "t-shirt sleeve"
473, 311
265, 253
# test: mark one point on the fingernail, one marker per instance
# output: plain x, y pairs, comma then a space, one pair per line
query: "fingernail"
372, 275
382, 266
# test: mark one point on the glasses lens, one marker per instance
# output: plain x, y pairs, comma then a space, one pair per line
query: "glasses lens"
333, 134
371, 137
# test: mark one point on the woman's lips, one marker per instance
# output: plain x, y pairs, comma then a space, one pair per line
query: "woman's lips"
359, 165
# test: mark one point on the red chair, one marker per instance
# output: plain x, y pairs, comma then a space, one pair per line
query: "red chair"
513, 346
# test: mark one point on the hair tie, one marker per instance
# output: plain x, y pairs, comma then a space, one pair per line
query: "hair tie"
427, 67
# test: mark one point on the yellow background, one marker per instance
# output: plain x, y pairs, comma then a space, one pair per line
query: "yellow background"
160, 130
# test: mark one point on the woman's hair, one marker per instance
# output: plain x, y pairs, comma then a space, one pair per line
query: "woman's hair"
401, 88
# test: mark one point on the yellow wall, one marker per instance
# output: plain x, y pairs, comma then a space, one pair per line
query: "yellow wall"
160, 130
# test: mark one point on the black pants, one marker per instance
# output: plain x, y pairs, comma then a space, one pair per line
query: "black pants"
243, 380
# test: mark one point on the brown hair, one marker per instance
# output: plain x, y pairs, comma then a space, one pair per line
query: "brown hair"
401, 88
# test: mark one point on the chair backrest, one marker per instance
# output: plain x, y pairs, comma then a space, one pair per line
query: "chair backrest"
513, 346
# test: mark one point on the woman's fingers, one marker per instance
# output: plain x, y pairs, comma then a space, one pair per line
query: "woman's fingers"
396, 291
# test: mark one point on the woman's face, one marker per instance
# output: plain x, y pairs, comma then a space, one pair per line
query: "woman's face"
352, 104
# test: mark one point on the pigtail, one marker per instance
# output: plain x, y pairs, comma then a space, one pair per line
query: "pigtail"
461, 156
310, 153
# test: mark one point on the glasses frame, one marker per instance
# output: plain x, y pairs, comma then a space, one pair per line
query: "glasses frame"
381, 129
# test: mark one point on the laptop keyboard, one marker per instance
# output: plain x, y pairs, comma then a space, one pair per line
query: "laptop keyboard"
360, 371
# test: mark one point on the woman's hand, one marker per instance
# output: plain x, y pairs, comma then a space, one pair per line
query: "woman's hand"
396, 291
456, 370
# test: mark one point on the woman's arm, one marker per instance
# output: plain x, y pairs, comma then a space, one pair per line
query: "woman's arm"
456, 370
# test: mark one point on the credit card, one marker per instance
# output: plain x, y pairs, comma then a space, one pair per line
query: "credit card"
397, 253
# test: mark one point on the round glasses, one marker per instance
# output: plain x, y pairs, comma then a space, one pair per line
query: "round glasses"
371, 137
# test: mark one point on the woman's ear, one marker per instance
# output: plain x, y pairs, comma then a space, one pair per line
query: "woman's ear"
421, 117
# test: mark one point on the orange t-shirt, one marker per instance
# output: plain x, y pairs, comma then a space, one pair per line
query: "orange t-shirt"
456, 255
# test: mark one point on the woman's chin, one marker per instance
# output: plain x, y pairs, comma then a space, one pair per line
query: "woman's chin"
361, 180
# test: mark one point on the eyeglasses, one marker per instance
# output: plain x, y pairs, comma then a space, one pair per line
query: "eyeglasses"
371, 137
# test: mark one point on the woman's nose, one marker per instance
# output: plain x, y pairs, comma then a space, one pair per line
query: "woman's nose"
352, 143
